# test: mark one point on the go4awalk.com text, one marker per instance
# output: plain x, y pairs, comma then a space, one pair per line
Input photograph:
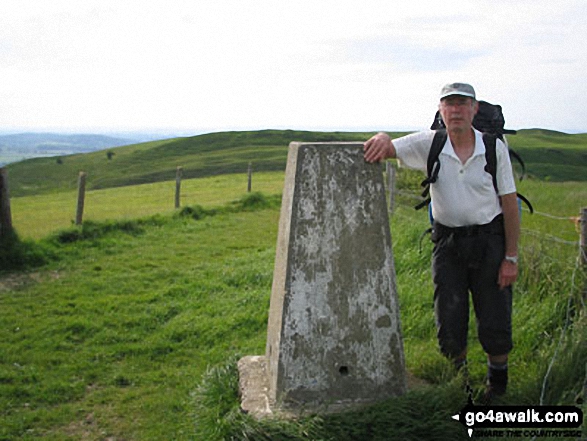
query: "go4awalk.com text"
521, 421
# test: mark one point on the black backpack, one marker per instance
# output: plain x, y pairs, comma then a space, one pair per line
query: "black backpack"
489, 120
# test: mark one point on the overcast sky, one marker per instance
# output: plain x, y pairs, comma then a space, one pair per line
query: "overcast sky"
208, 65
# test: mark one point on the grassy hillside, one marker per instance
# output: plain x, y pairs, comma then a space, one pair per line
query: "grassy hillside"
200, 156
552, 155
109, 341
133, 328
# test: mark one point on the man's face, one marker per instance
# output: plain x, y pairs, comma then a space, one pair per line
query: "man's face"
458, 112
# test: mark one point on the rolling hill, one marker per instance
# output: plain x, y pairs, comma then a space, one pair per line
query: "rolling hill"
548, 155
21, 146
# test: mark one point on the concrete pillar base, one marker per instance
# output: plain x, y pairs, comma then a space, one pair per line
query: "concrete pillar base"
254, 393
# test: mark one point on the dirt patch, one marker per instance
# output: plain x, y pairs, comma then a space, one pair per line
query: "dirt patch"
85, 429
13, 282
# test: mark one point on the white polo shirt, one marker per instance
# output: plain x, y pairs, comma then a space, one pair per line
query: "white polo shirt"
463, 193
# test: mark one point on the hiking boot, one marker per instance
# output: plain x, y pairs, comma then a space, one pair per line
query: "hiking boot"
496, 386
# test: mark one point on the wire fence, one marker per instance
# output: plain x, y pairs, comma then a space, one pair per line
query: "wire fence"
403, 197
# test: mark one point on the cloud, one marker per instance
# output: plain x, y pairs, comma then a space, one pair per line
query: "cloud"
302, 64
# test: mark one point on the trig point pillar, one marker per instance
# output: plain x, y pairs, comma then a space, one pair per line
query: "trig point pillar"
334, 337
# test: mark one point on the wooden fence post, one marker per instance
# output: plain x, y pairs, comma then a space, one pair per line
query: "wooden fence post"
81, 196
583, 223
390, 172
250, 179
5, 213
178, 174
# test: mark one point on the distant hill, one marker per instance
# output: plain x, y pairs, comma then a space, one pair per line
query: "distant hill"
202, 155
548, 155
552, 155
45, 144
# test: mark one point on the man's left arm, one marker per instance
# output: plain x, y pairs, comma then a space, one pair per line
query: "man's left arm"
508, 272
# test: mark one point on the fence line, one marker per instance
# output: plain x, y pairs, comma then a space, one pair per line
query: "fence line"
550, 237
5, 213
525, 230
178, 175
81, 197
552, 216
581, 220
6, 219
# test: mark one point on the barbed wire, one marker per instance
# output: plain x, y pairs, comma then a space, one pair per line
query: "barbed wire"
550, 237
411, 195
552, 216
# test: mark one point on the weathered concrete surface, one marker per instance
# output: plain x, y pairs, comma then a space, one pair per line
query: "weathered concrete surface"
334, 330
254, 389
253, 385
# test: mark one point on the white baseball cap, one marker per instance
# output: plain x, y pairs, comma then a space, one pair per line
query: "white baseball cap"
462, 89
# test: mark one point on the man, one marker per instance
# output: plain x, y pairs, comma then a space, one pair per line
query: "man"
475, 232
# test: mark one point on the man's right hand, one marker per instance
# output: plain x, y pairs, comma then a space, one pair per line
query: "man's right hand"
378, 148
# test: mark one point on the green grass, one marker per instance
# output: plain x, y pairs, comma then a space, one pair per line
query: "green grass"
114, 338
552, 155
558, 206
37, 216
129, 327
133, 330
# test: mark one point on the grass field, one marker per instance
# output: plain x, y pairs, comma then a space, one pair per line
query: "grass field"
35, 217
131, 328
113, 338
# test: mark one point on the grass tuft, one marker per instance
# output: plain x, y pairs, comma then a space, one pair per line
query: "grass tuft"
218, 415
196, 212
256, 201
251, 202
92, 230
215, 401
22, 255
420, 414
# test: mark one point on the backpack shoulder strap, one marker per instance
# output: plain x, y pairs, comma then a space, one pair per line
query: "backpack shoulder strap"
518, 158
490, 141
491, 167
432, 165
